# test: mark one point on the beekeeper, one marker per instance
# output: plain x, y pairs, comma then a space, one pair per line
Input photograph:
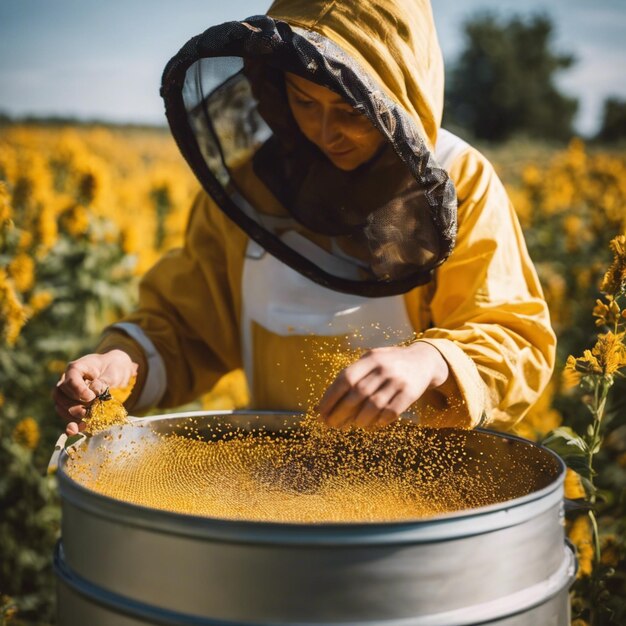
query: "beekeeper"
336, 218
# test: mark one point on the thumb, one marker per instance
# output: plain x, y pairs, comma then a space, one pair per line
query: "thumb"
98, 386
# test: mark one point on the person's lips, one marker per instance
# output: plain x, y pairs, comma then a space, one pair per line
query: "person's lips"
339, 153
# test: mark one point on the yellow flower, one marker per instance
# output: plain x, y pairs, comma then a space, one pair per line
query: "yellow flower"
91, 180
572, 224
5, 205
580, 535
605, 358
531, 176
614, 280
46, 227
2, 400
610, 352
130, 239
586, 364
26, 240
22, 271
607, 314
583, 277
40, 301
26, 433
610, 552
12, 312
570, 378
87, 187
573, 485
8, 610
75, 220
56, 366
8, 162
576, 156
541, 418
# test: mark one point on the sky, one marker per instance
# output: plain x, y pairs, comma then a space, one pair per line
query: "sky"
93, 59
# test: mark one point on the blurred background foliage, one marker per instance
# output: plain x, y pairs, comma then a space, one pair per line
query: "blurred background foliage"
504, 84
504, 81
86, 209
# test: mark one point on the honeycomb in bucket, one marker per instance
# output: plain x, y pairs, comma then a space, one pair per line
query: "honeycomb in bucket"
300, 473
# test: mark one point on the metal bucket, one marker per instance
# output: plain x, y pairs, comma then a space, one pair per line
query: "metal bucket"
121, 564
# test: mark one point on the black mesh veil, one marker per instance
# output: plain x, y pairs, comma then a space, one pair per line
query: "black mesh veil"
376, 230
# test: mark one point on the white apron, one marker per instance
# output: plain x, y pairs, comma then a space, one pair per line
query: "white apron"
285, 303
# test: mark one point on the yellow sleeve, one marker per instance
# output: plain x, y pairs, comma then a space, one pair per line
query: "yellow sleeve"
189, 309
489, 318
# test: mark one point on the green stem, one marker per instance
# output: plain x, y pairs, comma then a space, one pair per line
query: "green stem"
601, 393
596, 538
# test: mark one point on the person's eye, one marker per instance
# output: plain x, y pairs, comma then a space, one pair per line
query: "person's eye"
304, 103
353, 113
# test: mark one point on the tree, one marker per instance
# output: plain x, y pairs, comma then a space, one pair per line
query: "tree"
613, 121
503, 81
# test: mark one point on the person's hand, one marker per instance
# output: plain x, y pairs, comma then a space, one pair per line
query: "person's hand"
86, 378
374, 390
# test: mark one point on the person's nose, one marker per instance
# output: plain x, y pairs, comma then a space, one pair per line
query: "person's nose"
331, 132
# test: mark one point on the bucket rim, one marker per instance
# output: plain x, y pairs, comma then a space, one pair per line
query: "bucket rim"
466, 522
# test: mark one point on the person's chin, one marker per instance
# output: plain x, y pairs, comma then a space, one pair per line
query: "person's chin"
344, 161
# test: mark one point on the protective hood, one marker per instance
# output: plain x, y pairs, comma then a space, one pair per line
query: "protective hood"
379, 229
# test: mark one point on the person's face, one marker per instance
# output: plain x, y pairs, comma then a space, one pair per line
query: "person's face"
344, 135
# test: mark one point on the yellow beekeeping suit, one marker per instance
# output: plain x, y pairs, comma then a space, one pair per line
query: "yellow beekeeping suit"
209, 307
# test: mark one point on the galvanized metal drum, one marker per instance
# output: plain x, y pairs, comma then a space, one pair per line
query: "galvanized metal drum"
121, 564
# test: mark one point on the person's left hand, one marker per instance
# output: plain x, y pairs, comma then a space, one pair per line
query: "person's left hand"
374, 390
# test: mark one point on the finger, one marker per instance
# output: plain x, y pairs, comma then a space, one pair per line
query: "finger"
341, 415
98, 386
74, 412
374, 405
354, 404
332, 395
344, 382
68, 408
352, 401
75, 385
70, 415
74, 428
60, 397
400, 403
385, 417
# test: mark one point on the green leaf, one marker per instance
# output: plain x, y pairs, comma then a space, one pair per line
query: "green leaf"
589, 487
577, 464
571, 447
565, 439
74, 439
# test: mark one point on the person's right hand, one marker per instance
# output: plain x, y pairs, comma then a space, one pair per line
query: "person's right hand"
86, 378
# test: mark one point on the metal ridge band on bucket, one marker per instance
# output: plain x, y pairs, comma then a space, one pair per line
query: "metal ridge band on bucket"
108, 606
505, 562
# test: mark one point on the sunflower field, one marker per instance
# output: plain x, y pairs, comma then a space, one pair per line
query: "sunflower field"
85, 211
